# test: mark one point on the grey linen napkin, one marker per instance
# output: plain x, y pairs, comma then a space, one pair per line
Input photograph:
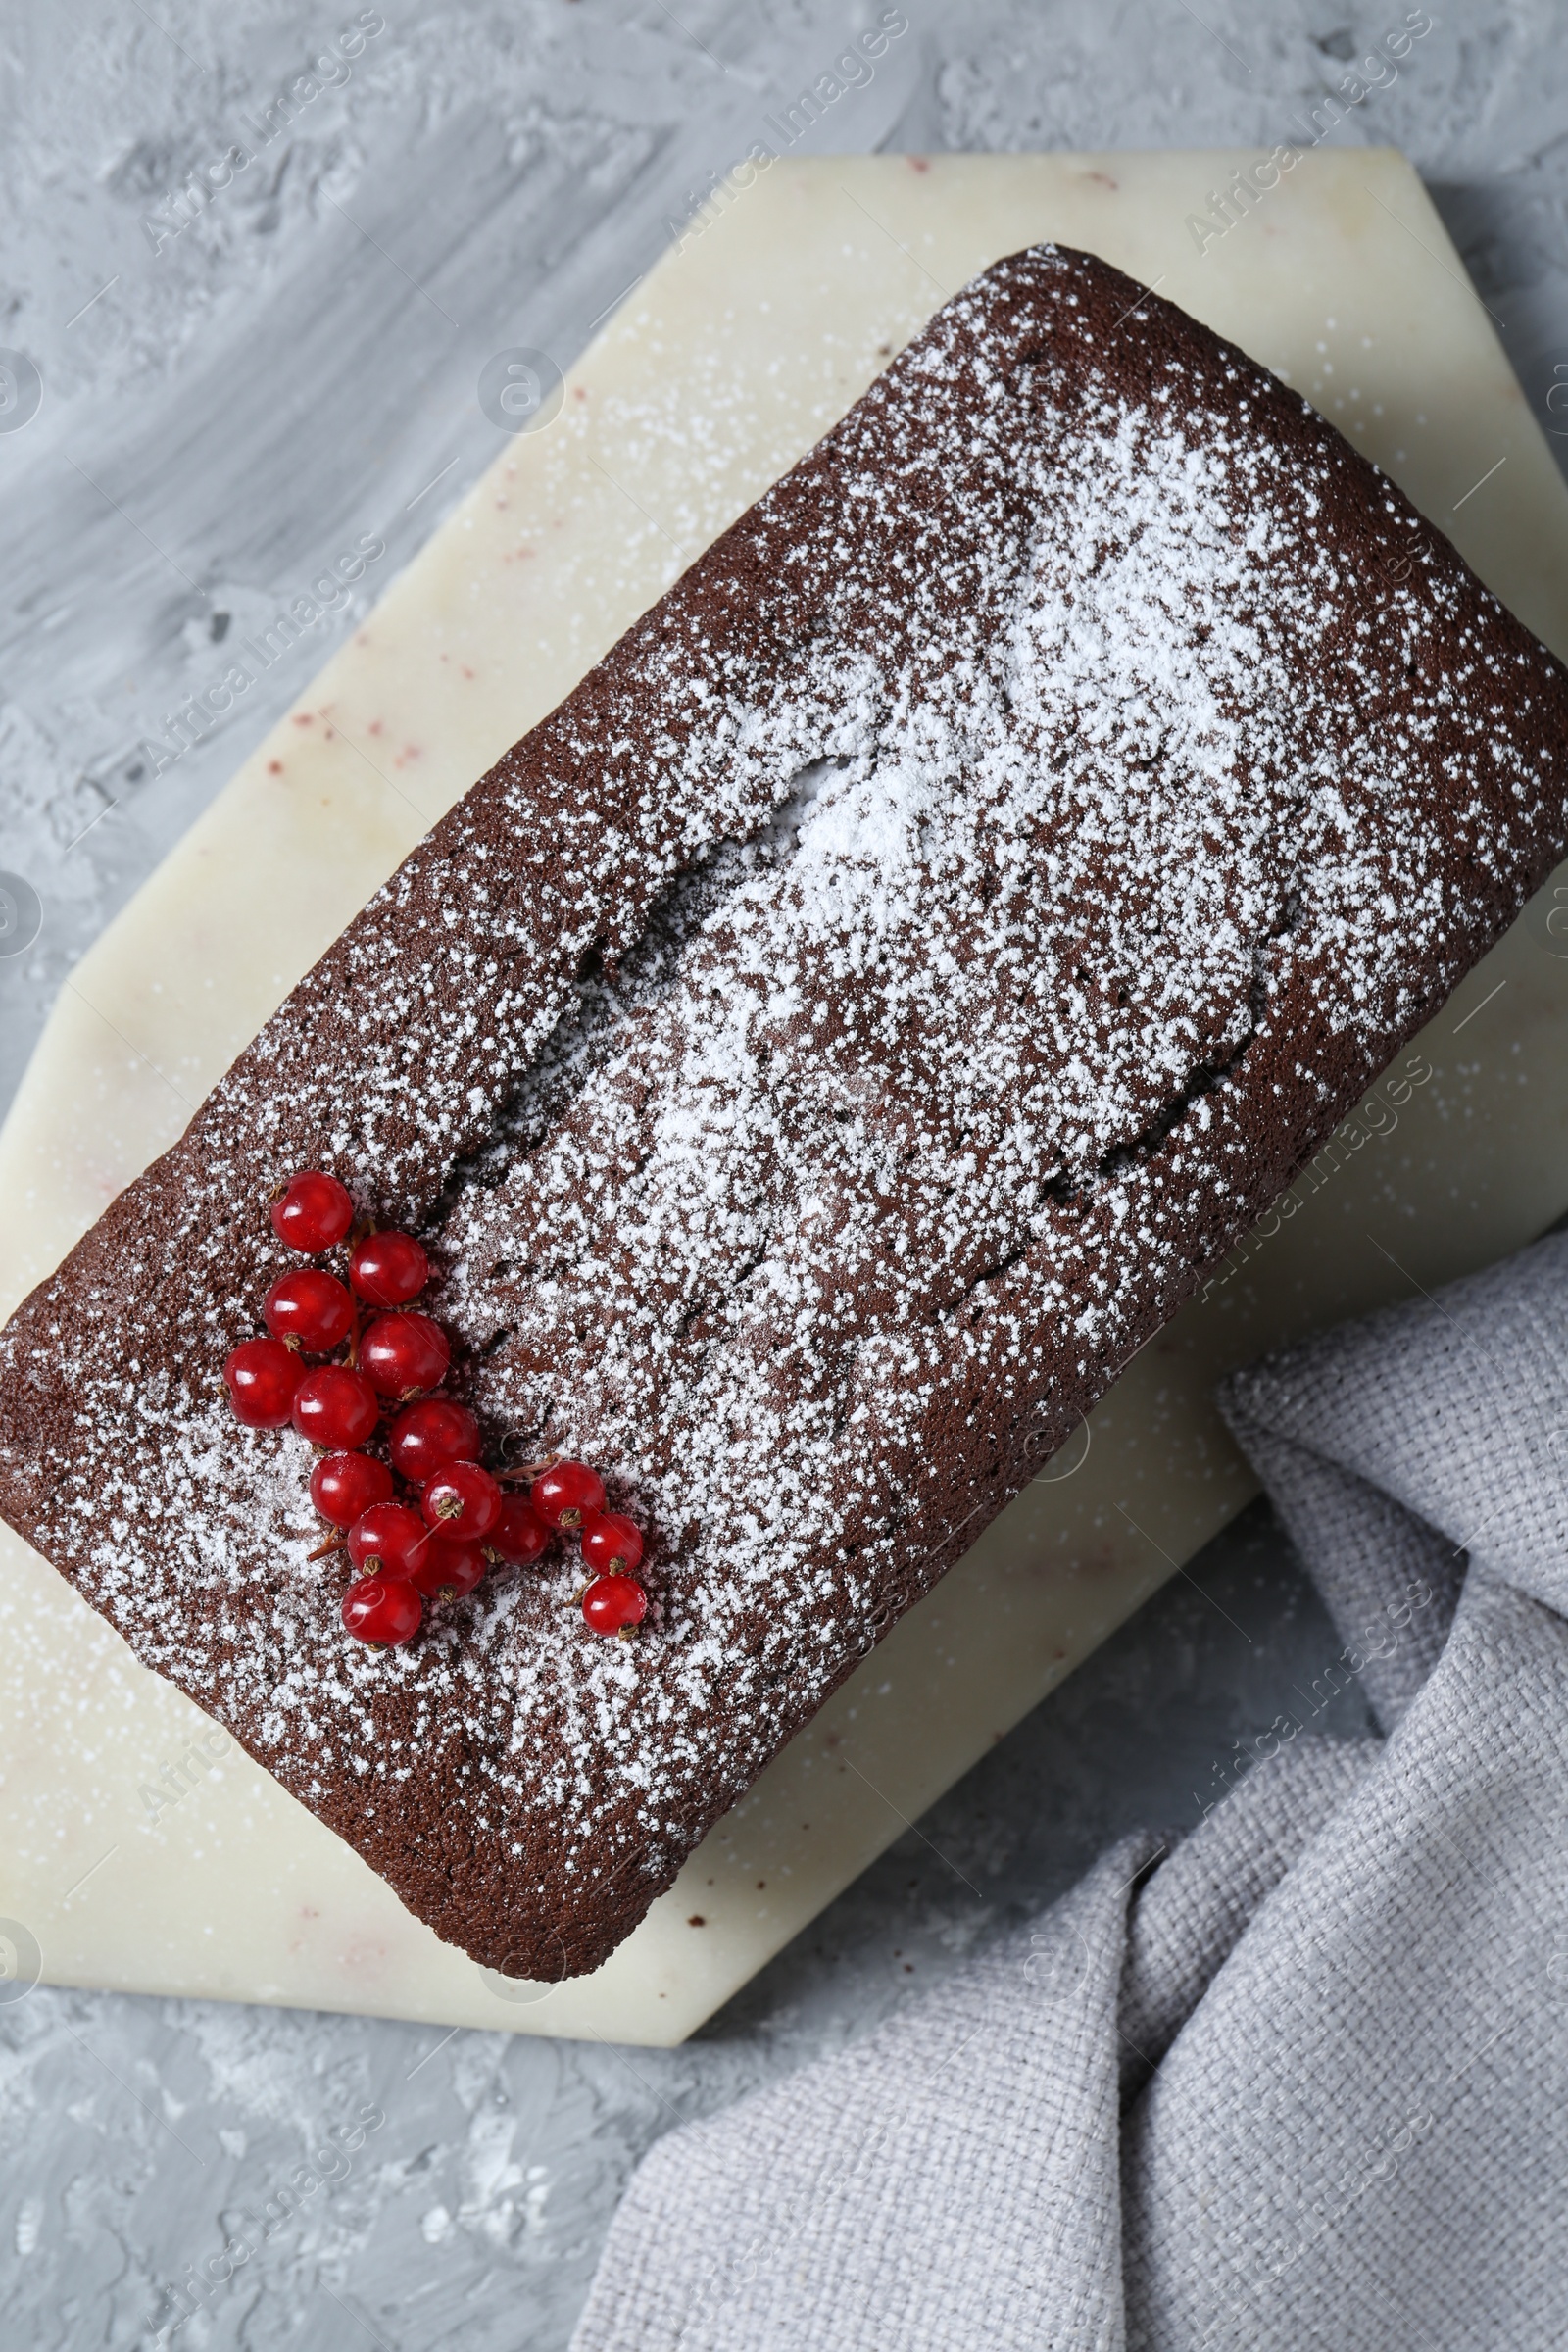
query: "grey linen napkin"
1302, 2080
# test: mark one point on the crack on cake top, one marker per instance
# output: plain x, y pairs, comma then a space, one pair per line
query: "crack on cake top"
608, 994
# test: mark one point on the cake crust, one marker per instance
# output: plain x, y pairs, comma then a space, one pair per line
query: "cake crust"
816, 1059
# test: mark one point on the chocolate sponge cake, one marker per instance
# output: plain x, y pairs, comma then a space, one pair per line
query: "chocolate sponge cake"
816, 1059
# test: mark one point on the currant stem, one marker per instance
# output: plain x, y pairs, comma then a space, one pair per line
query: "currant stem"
529, 1469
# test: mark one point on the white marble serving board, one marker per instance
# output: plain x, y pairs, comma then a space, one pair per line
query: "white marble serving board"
140, 1848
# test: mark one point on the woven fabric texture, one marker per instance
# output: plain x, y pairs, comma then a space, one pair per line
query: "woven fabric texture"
1302, 2080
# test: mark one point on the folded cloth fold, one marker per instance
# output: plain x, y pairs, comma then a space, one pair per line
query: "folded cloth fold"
1300, 2080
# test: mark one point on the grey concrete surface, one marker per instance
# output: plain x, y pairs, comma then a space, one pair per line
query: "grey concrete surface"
224, 410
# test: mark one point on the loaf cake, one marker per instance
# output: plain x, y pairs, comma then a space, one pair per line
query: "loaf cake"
816, 1059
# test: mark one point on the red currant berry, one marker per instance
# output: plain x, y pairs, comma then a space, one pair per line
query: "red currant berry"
389, 1539
314, 1214
388, 1269
335, 1407
448, 1569
428, 1435
262, 1376
462, 1500
519, 1535
610, 1544
382, 1609
344, 1485
403, 1353
310, 1308
614, 1601
566, 1494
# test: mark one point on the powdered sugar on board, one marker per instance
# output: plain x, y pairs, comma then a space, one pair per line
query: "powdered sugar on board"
817, 1061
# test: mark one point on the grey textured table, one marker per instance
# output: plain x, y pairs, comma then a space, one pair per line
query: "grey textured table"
228, 400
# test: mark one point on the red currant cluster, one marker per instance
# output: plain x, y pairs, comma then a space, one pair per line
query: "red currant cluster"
464, 1522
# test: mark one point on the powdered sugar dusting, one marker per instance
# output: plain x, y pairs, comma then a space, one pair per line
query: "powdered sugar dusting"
961, 915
